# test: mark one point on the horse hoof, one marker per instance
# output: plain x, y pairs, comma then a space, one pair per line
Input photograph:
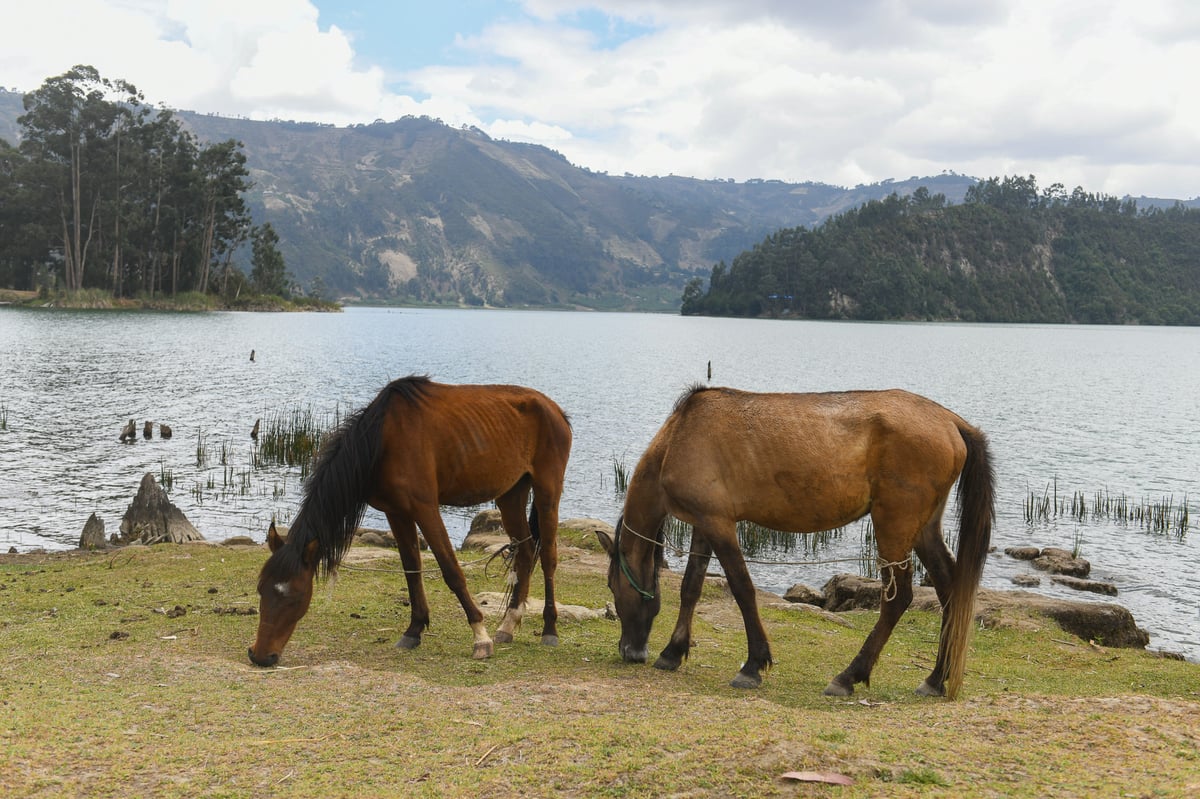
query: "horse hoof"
925, 689
746, 681
502, 637
482, 650
408, 642
666, 664
835, 688
549, 640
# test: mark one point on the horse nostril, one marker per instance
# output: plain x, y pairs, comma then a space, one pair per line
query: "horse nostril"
269, 660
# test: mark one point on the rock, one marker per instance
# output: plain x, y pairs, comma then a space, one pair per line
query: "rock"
93, 534
1027, 580
1060, 561
152, 519
486, 533
850, 592
1022, 553
802, 594
1102, 622
493, 603
1095, 586
373, 538
239, 541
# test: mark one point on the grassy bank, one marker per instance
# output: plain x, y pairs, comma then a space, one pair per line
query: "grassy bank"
97, 299
125, 674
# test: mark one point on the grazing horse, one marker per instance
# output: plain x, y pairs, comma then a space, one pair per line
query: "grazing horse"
416, 446
805, 463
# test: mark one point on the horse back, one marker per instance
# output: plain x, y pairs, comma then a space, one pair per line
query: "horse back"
753, 456
467, 444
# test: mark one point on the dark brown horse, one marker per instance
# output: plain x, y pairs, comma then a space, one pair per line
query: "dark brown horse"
805, 463
416, 446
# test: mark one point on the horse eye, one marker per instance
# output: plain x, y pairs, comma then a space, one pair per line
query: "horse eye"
282, 589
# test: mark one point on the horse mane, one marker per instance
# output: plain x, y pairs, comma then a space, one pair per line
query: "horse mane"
688, 393
335, 494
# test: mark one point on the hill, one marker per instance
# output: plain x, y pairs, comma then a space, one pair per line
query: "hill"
1006, 254
416, 210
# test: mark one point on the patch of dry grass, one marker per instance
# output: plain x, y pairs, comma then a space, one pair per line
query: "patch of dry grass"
126, 674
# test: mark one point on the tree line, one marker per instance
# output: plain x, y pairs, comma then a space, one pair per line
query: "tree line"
104, 192
1010, 252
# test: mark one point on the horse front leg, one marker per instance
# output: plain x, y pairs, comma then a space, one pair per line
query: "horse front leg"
677, 648
725, 545
896, 596
405, 533
430, 522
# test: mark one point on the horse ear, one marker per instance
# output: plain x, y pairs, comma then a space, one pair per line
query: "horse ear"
274, 539
605, 541
310, 554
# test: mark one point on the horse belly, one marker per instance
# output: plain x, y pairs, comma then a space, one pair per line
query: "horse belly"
806, 501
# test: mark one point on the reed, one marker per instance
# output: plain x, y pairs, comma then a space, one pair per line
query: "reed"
1162, 516
290, 439
620, 474
3, 416
166, 477
201, 450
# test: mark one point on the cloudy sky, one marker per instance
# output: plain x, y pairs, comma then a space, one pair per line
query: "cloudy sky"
1099, 93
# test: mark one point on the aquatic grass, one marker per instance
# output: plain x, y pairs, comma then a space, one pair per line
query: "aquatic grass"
3, 416
620, 474
201, 450
1162, 516
291, 438
166, 477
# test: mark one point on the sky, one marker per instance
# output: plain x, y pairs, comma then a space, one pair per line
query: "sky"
1103, 94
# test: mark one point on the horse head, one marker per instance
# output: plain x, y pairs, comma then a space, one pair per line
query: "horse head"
285, 589
633, 563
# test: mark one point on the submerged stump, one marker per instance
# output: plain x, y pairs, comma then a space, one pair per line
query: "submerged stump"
152, 518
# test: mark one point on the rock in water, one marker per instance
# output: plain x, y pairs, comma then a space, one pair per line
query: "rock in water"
93, 534
152, 519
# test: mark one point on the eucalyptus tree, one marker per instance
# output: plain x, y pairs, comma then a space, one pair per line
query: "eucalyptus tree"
72, 136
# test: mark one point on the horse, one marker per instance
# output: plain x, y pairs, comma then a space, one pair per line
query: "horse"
416, 446
804, 463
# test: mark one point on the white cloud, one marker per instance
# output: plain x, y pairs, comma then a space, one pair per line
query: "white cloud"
1099, 94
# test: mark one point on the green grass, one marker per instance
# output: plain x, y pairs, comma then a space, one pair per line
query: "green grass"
125, 673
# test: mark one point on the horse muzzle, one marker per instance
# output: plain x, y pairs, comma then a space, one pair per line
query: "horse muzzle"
266, 661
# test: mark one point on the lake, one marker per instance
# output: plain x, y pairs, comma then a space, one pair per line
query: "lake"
1067, 409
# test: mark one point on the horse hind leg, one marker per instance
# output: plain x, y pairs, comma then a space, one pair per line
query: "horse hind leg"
546, 520
896, 596
430, 522
939, 564
512, 515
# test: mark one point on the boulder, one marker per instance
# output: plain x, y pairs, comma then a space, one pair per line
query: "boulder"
804, 595
486, 533
1102, 622
1079, 584
152, 519
93, 534
1022, 553
1026, 580
1060, 561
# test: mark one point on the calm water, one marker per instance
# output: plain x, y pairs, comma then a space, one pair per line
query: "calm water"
1114, 409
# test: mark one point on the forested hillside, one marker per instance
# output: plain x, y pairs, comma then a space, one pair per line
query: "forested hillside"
1008, 253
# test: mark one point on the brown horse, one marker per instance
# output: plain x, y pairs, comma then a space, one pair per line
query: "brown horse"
416, 446
805, 463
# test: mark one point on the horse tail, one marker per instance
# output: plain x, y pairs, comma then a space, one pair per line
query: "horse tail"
976, 495
335, 494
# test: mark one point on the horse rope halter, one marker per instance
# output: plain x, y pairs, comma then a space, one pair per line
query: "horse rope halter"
647, 596
889, 589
